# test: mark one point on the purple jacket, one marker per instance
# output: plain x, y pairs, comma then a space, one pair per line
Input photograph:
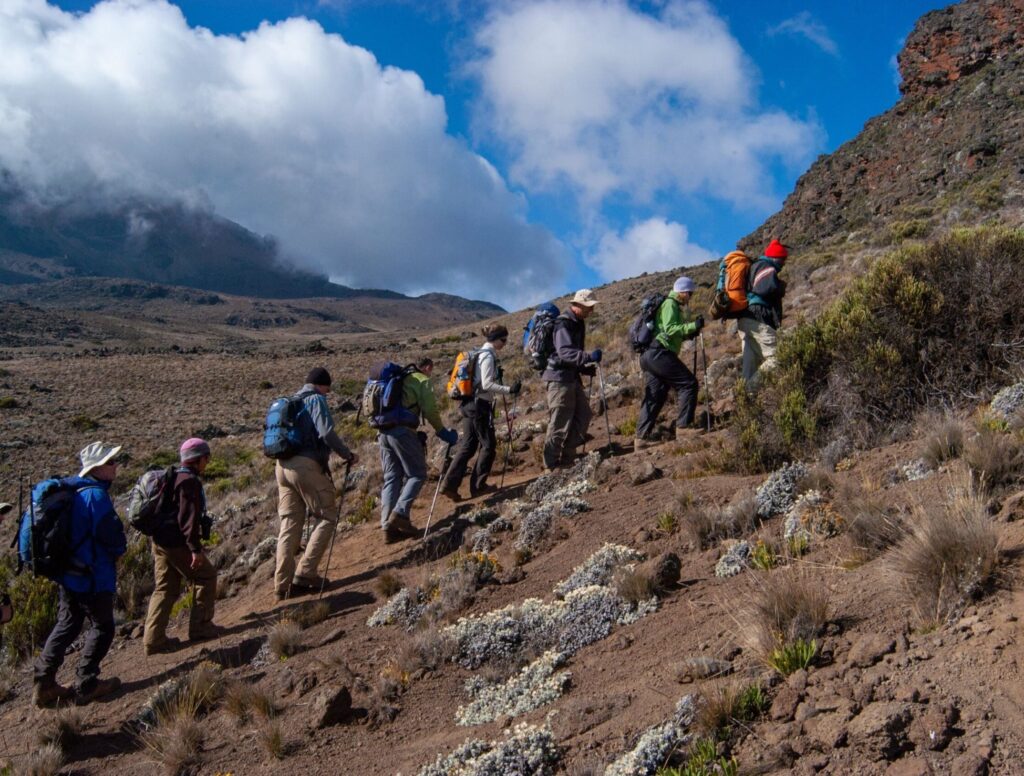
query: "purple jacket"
569, 358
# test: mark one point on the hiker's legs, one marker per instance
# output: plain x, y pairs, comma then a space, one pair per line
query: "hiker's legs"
391, 469
466, 447
317, 490
581, 417
291, 508
70, 616
655, 393
752, 356
767, 340
179, 561
674, 374
484, 431
413, 460
99, 608
561, 410
165, 593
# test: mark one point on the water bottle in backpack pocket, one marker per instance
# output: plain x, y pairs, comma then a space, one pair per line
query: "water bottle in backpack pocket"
644, 328
44, 533
282, 434
382, 397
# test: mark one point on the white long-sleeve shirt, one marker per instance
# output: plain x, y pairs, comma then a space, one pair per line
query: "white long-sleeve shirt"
487, 385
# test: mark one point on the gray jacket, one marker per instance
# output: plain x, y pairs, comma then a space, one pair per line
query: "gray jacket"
569, 358
318, 428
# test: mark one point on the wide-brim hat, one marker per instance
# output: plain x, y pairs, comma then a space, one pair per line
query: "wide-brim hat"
585, 297
95, 455
5, 507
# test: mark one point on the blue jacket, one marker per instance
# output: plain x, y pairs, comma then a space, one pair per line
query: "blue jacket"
97, 536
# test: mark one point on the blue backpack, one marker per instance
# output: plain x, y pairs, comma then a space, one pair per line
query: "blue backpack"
538, 345
44, 534
382, 397
283, 434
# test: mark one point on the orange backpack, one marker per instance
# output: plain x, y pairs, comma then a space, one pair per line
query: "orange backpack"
460, 382
731, 292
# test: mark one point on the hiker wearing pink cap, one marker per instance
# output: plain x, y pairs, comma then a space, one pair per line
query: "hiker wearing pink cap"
178, 555
759, 322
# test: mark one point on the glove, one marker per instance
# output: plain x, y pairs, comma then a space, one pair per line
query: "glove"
596, 356
517, 386
699, 323
448, 435
589, 370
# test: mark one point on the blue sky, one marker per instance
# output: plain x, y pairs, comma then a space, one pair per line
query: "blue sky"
505, 150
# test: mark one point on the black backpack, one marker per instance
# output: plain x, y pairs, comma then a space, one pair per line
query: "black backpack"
151, 499
538, 337
644, 327
44, 534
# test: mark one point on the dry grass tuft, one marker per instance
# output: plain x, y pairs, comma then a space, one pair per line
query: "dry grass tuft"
311, 613
872, 526
62, 728
388, 583
424, 650
381, 701
285, 639
723, 704
242, 699
782, 607
943, 439
271, 738
946, 558
176, 742
706, 526
633, 585
994, 459
45, 761
817, 478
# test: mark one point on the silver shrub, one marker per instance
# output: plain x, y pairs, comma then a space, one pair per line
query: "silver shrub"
598, 568
777, 494
536, 685
527, 750
1008, 401
656, 743
404, 608
735, 560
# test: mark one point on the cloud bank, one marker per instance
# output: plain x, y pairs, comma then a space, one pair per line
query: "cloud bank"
649, 246
286, 129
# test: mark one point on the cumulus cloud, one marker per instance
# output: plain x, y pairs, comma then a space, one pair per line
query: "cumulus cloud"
286, 129
804, 24
604, 99
653, 245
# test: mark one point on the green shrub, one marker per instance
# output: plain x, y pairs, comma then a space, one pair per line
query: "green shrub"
927, 326
135, 577
185, 603
793, 656
906, 230
8, 403
363, 511
35, 609
627, 427
764, 556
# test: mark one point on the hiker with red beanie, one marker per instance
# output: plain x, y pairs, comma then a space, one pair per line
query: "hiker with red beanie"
178, 555
760, 321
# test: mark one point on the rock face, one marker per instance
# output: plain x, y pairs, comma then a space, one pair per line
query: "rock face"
945, 154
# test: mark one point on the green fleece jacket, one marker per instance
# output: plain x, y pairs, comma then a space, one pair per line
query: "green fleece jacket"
672, 330
418, 396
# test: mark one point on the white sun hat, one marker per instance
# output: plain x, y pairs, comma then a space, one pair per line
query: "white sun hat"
585, 297
95, 455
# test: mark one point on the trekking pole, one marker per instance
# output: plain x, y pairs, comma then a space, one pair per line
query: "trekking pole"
509, 421
604, 405
330, 550
707, 390
447, 464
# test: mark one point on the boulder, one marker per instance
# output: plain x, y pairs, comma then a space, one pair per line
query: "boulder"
880, 730
701, 667
663, 571
644, 472
869, 649
933, 728
331, 706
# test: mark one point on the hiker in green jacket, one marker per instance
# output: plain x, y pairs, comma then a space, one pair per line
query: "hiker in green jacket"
403, 455
663, 369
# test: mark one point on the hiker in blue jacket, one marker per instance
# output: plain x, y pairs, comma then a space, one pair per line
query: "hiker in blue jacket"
87, 589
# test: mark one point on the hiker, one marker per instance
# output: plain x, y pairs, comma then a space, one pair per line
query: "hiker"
664, 370
178, 555
305, 487
760, 321
87, 589
403, 454
478, 418
6, 607
568, 405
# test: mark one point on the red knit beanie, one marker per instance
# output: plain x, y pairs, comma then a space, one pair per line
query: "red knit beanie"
776, 250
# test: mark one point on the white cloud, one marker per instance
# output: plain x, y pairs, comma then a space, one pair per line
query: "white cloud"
287, 129
653, 245
806, 25
607, 100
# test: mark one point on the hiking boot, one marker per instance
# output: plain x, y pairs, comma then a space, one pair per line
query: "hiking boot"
308, 583
401, 525
162, 647
452, 494
101, 688
642, 443
483, 491
204, 632
48, 692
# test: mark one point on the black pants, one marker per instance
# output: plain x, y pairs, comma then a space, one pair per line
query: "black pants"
73, 608
475, 432
663, 370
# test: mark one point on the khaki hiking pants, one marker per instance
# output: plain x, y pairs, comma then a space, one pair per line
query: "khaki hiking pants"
568, 418
302, 485
171, 565
759, 341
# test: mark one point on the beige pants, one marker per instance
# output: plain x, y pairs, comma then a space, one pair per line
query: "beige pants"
302, 486
759, 341
568, 419
170, 567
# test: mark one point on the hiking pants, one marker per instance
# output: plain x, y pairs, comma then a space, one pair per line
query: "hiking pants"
663, 370
72, 609
476, 432
404, 463
568, 418
759, 340
171, 565
302, 486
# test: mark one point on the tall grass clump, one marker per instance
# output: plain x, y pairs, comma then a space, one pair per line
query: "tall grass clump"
947, 557
943, 440
872, 525
994, 458
782, 609
931, 325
